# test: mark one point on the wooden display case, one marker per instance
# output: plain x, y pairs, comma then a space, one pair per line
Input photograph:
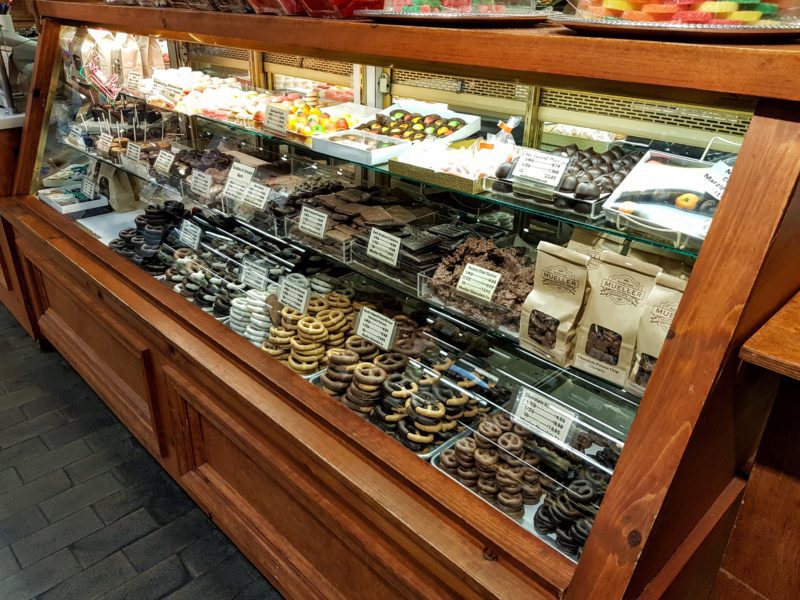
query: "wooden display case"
318, 499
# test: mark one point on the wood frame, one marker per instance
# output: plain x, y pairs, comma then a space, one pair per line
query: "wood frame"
686, 458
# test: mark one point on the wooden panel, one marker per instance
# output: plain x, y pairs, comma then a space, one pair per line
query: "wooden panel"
692, 433
775, 346
9, 150
12, 289
763, 551
545, 54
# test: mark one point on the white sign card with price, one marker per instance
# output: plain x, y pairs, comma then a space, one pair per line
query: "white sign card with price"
164, 162
313, 222
201, 183
275, 119
190, 234
294, 295
384, 247
88, 188
133, 152
535, 410
376, 328
478, 282
255, 275
541, 167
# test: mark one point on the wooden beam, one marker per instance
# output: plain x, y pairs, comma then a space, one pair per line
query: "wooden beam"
776, 346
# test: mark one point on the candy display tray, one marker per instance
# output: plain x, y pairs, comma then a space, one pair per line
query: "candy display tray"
524, 191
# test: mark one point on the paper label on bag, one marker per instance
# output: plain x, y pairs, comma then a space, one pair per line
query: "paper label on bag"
190, 234
716, 179
376, 328
313, 222
383, 246
275, 119
478, 282
257, 195
541, 167
294, 295
241, 173
164, 161
88, 188
255, 275
201, 183
134, 152
105, 141
536, 411
132, 83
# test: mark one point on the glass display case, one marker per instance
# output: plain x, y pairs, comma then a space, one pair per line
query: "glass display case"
495, 308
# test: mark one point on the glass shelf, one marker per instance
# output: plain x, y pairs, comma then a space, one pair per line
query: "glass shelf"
599, 225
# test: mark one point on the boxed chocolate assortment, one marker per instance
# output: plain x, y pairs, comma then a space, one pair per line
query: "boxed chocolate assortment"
552, 310
654, 324
607, 334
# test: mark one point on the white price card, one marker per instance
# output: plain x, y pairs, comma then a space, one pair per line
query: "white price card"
190, 234
294, 295
134, 152
241, 173
201, 183
164, 162
478, 282
535, 410
88, 188
384, 247
541, 167
257, 195
275, 119
313, 222
376, 328
234, 190
132, 83
77, 133
255, 275
104, 143
716, 179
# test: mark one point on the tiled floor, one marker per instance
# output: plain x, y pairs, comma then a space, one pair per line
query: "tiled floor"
85, 512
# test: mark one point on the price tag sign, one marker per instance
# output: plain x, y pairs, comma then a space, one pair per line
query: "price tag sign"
294, 295
535, 410
541, 167
190, 234
257, 195
174, 90
88, 188
134, 152
105, 141
313, 222
255, 275
132, 83
376, 328
234, 190
383, 246
77, 133
478, 282
164, 161
241, 173
201, 183
275, 119
716, 179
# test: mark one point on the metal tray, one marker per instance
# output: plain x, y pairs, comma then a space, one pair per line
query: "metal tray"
681, 31
458, 19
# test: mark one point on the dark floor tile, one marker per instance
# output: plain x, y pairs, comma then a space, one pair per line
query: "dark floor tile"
8, 563
11, 417
19, 452
54, 459
52, 402
54, 537
169, 539
20, 397
154, 583
80, 496
79, 428
141, 468
86, 406
39, 577
30, 428
9, 479
259, 589
161, 496
107, 436
95, 581
32, 493
207, 552
21, 525
113, 537
105, 460
220, 583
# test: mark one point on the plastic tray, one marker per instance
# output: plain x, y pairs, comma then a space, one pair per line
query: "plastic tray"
523, 191
360, 146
